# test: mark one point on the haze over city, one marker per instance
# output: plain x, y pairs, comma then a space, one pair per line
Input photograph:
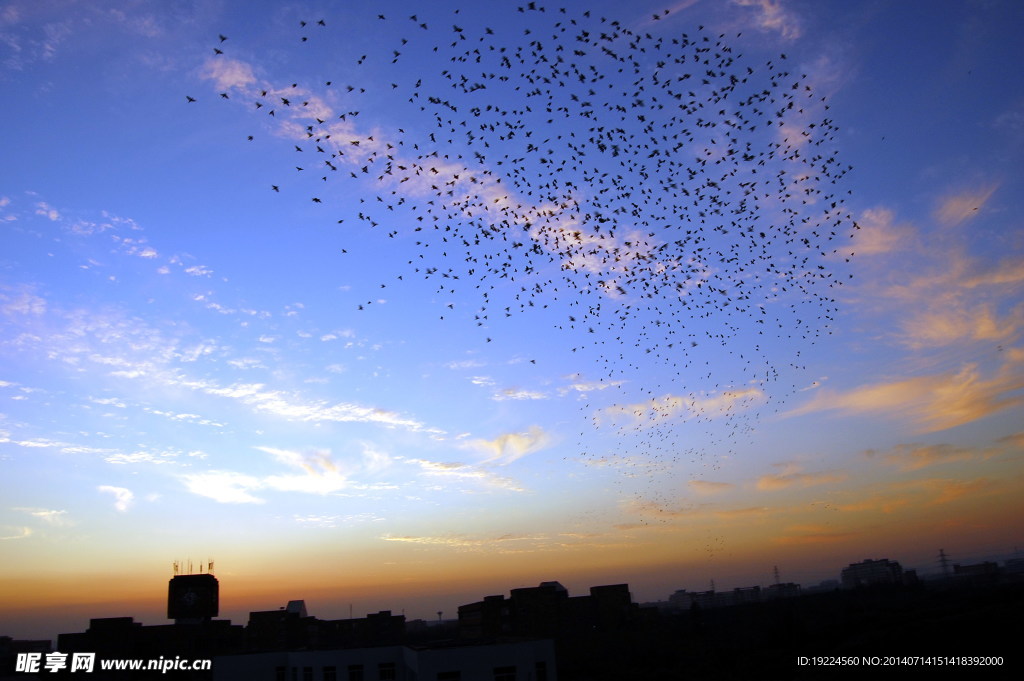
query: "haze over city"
392, 306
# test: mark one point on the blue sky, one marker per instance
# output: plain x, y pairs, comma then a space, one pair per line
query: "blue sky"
194, 364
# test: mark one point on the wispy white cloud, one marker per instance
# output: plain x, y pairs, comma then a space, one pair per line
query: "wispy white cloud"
509, 447
288, 406
18, 533
465, 472
317, 472
227, 487
579, 385
228, 74
21, 300
465, 364
48, 516
335, 520
518, 394
109, 401
320, 473
498, 544
198, 271
685, 407
142, 456
772, 15
47, 211
123, 497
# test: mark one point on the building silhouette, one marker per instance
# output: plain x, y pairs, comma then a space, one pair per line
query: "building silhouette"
548, 610
288, 644
870, 572
542, 633
193, 599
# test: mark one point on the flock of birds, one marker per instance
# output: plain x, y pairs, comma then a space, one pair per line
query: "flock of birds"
671, 200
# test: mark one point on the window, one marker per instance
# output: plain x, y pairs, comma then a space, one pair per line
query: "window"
281, 674
541, 671
355, 672
386, 671
449, 676
307, 674
505, 673
330, 673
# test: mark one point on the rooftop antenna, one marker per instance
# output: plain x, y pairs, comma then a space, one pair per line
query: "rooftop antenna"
776, 572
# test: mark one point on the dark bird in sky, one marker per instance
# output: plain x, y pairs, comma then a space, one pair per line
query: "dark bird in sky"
674, 198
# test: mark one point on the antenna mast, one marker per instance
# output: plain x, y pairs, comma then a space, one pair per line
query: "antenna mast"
944, 562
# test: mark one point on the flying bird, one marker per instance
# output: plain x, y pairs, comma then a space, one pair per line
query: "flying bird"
677, 201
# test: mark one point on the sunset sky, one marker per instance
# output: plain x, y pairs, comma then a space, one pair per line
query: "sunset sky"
206, 353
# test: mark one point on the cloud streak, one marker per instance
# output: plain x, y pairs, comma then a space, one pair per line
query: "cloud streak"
671, 407
123, 497
932, 402
510, 447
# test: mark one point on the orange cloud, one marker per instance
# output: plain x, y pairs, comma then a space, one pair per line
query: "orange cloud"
922, 493
709, 487
798, 535
945, 490
943, 325
787, 480
886, 503
912, 457
878, 234
651, 509
956, 209
948, 296
931, 403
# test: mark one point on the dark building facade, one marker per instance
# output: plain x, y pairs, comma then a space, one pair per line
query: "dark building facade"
547, 610
872, 572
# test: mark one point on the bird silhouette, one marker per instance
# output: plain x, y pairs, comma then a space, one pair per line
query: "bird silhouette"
673, 198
